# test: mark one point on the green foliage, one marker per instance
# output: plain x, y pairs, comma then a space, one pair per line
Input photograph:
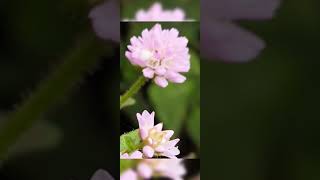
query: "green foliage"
193, 125
174, 103
127, 164
129, 102
130, 142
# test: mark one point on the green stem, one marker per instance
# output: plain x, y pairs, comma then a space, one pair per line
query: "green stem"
81, 60
132, 91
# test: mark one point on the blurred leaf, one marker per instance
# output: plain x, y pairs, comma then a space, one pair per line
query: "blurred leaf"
129, 102
43, 136
126, 164
130, 142
193, 125
171, 103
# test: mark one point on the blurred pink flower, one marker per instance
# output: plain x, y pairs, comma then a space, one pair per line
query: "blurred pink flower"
161, 53
222, 39
157, 13
105, 20
170, 168
129, 175
134, 155
101, 175
156, 142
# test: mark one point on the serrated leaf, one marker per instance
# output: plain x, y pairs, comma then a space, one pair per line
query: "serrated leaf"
130, 142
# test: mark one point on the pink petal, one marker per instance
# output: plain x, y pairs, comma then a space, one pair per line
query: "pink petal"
129, 175
169, 134
136, 155
161, 81
227, 41
175, 77
172, 143
144, 170
124, 156
148, 151
148, 73
161, 71
159, 126
171, 153
143, 133
160, 149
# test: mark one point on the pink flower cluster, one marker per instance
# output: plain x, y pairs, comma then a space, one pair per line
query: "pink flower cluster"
162, 55
157, 13
156, 142
172, 169
134, 155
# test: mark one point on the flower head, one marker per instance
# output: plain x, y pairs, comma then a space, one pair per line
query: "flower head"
161, 53
129, 175
172, 168
157, 13
156, 141
134, 155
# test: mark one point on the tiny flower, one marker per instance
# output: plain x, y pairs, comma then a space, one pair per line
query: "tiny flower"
157, 13
134, 155
172, 168
129, 175
156, 141
101, 175
162, 55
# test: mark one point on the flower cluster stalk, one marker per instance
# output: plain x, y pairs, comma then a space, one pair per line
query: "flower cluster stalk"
134, 89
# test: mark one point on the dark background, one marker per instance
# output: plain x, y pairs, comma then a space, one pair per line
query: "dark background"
260, 121
79, 135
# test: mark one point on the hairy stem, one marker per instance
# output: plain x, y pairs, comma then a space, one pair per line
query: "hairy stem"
82, 59
132, 91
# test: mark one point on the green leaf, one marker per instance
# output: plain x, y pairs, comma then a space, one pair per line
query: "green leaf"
172, 104
127, 164
129, 102
130, 142
193, 125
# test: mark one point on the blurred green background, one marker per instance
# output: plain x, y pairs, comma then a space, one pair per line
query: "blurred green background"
176, 106
260, 121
